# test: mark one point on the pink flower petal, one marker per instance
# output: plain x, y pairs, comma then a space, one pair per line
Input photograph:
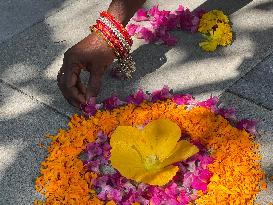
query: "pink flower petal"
154, 11
141, 15
137, 98
204, 175
90, 109
183, 198
112, 102
183, 99
180, 9
198, 184
171, 189
132, 28
162, 94
188, 179
146, 34
210, 103
228, 113
248, 125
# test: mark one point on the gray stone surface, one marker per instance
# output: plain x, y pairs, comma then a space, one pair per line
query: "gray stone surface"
248, 110
24, 123
16, 15
257, 85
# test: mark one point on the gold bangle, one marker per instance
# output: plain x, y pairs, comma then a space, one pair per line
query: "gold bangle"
97, 31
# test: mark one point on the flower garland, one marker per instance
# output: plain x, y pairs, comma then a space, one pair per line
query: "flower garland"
226, 169
213, 25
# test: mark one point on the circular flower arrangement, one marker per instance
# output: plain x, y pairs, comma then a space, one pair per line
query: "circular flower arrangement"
156, 148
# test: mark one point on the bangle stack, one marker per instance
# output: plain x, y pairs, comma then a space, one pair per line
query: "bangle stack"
118, 39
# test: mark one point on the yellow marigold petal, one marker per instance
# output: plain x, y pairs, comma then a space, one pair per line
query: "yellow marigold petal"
183, 150
127, 161
161, 177
161, 136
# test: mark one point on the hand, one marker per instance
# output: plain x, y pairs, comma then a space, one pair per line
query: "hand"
92, 54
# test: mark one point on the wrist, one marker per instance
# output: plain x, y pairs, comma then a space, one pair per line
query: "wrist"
123, 10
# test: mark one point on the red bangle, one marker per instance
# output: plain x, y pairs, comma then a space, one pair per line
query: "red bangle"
118, 39
111, 37
119, 26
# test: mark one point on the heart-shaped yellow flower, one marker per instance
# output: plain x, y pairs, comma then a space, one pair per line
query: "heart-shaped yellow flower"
146, 155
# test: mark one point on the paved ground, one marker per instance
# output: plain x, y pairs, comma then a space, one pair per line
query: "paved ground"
34, 35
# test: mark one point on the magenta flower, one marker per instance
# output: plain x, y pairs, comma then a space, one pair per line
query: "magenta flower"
146, 34
162, 94
108, 193
183, 197
180, 9
204, 175
112, 102
198, 184
183, 99
210, 103
154, 11
132, 29
205, 161
93, 150
188, 179
141, 15
248, 125
171, 189
228, 113
137, 98
101, 138
90, 109
93, 166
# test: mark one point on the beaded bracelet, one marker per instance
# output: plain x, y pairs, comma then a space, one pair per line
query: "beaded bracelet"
119, 40
109, 35
118, 25
112, 27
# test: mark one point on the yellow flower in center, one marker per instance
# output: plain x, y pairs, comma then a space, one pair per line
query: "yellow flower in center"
147, 155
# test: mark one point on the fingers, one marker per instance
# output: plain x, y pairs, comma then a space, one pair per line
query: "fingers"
70, 84
94, 83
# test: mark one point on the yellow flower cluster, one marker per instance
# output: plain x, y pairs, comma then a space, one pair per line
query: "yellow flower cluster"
237, 173
215, 27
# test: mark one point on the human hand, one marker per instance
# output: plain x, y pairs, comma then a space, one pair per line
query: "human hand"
92, 54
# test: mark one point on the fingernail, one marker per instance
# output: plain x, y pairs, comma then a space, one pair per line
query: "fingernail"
92, 100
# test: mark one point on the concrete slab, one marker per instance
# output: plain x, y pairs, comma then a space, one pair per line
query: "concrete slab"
257, 84
24, 124
31, 60
16, 15
246, 109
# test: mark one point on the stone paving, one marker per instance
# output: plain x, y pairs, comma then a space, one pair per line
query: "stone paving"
35, 34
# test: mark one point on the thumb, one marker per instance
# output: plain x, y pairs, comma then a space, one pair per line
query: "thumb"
94, 84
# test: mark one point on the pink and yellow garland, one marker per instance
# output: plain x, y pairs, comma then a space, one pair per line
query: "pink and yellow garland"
155, 26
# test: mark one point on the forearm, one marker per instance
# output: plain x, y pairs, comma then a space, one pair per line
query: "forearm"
124, 10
